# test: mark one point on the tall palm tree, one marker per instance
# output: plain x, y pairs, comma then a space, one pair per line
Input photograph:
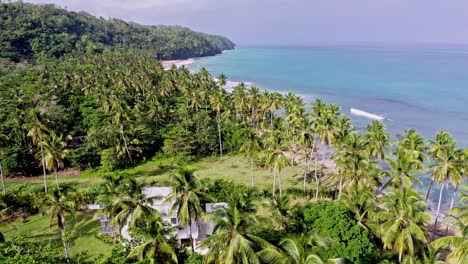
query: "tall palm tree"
240, 100
3, 139
56, 204
301, 249
413, 144
251, 148
253, 102
307, 143
353, 166
447, 167
436, 147
217, 104
156, 247
54, 150
187, 195
402, 221
276, 159
378, 140
38, 132
458, 243
232, 240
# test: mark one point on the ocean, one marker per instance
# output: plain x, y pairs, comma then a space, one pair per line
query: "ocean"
414, 86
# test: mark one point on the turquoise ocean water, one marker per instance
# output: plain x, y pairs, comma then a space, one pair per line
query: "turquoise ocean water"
414, 86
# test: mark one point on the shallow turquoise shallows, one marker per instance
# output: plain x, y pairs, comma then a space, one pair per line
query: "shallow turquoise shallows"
414, 86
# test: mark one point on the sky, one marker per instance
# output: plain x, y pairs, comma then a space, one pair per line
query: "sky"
296, 22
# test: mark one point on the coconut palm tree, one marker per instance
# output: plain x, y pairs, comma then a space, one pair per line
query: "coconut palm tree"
232, 240
447, 167
240, 100
457, 243
378, 140
356, 170
276, 159
436, 147
156, 246
413, 144
131, 204
301, 249
56, 204
281, 209
54, 151
402, 221
251, 148
253, 103
188, 194
217, 104
307, 143
38, 133
403, 170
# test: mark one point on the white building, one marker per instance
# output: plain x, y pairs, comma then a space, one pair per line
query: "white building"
200, 230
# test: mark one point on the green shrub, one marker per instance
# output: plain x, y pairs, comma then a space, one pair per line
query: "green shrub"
350, 241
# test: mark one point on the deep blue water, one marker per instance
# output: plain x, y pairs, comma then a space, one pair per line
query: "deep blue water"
423, 87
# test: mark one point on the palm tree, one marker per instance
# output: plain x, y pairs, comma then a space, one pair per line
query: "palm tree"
403, 170
276, 157
3, 139
325, 128
232, 241
217, 103
239, 97
56, 205
447, 167
458, 244
378, 140
356, 171
307, 143
54, 151
301, 249
414, 145
251, 147
436, 147
156, 247
38, 132
187, 195
132, 204
253, 102
402, 221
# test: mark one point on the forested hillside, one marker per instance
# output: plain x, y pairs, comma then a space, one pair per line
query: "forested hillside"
31, 32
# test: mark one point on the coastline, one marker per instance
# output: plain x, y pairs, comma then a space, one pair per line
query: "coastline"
167, 64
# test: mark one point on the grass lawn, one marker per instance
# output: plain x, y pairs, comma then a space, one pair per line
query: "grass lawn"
86, 225
156, 172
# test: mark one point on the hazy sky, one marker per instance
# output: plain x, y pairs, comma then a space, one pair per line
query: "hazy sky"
300, 22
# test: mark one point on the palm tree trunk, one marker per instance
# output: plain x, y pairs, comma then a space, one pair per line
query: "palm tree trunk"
341, 186
252, 169
451, 206
438, 210
429, 190
125, 143
316, 180
65, 248
219, 136
280, 186
274, 180
191, 238
3, 180
44, 168
56, 178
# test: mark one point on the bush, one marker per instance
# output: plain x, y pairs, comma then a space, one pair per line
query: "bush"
194, 259
350, 241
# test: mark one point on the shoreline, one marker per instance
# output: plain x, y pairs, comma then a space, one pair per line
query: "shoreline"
167, 64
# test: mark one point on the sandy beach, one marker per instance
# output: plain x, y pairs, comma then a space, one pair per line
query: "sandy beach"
167, 64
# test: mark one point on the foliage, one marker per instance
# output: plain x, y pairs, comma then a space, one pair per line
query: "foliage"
350, 241
18, 250
45, 31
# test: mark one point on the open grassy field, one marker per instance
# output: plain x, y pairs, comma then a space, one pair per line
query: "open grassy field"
85, 224
156, 172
